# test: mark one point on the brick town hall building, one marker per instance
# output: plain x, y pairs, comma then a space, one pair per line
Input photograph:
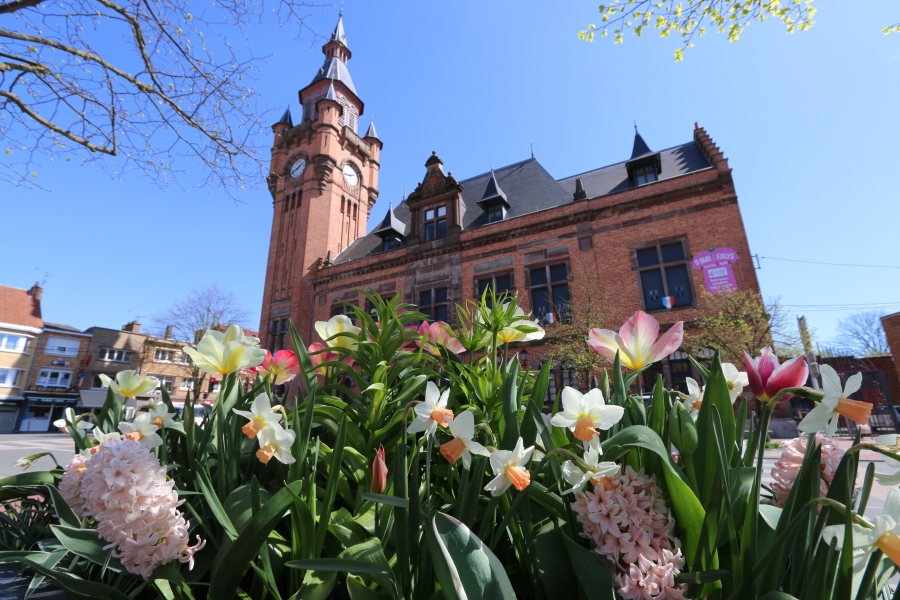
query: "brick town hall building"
652, 230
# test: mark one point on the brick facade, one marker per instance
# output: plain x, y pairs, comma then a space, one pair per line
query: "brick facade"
598, 233
891, 325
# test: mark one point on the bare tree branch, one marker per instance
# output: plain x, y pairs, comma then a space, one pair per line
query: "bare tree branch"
863, 334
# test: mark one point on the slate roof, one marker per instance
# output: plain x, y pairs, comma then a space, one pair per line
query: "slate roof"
492, 192
390, 223
676, 161
338, 33
286, 118
529, 188
17, 307
640, 146
336, 70
371, 133
61, 327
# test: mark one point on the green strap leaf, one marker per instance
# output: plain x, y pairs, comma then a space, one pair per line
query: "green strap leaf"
383, 499
340, 565
594, 577
86, 543
79, 588
64, 513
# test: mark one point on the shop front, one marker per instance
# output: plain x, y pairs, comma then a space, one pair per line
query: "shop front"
44, 406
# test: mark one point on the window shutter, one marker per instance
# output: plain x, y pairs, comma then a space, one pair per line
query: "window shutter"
308, 110
319, 96
353, 118
341, 119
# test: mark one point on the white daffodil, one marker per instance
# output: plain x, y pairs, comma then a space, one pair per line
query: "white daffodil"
161, 417
735, 380
260, 415
509, 468
892, 477
329, 332
694, 399
129, 384
277, 442
835, 403
462, 428
584, 414
142, 430
81, 426
226, 352
597, 469
885, 536
432, 412
99, 438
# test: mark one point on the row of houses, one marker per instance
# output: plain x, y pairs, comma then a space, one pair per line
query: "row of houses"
48, 367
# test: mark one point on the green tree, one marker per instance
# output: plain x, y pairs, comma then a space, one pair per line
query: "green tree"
690, 18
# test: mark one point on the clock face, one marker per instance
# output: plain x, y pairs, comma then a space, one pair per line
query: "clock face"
297, 168
350, 176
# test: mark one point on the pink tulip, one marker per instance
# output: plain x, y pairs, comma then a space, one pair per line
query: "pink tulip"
439, 334
283, 366
636, 341
767, 377
317, 356
379, 472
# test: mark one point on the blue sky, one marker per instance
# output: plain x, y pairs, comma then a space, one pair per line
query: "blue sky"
808, 121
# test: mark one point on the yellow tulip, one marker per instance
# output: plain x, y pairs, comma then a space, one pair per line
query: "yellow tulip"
337, 324
129, 384
226, 352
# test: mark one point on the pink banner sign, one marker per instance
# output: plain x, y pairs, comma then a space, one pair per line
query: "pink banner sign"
717, 272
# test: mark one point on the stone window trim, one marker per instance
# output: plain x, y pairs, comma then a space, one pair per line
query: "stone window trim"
436, 224
661, 266
10, 377
17, 343
165, 355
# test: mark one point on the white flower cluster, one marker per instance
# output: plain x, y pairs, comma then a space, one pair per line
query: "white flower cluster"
124, 488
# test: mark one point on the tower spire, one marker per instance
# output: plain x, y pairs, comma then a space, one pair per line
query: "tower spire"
338, 33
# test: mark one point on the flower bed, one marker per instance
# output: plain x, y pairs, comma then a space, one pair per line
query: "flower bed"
409, 460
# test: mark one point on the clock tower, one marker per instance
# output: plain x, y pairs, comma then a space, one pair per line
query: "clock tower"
324, 181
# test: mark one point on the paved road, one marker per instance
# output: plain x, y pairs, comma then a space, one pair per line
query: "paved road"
15, 446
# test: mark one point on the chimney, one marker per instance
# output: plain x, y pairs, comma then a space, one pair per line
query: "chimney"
168, 332
579, 194
36, 291
132, 327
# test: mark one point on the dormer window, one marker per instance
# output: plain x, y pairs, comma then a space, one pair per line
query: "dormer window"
646, 174
435, 223
495, 212
390, 242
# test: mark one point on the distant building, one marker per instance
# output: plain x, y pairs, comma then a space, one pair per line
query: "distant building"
652, 230
20, 330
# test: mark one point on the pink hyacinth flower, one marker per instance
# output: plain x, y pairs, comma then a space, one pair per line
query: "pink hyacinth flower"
636, 341
283, 366
767, 377
438, 334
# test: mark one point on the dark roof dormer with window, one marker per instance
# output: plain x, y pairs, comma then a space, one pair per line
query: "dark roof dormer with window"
494, 201
391, 231
645, 165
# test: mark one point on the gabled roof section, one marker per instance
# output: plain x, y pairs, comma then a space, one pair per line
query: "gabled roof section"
674, 162
390, 225
527, 185
640, 146
330, 94
335, 70
338, 34
493, 193
17, 307
285, 118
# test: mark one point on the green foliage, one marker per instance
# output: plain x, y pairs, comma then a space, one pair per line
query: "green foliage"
315, 529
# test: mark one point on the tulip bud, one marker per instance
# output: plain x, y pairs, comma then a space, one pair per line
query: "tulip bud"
682, 430
379, 472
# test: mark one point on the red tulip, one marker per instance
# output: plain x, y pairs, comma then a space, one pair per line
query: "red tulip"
379, 472
767, 377
283, 366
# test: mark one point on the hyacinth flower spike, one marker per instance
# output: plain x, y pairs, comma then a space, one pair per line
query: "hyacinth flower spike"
462, 428
836, 402
260, 415
584, 414
142, 430
636, 341
509, 468
432, 412
767, 377
885, 536
596, 474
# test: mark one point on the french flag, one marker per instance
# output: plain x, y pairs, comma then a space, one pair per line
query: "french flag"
668, 301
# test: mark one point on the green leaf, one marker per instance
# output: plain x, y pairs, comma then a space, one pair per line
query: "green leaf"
234, 559
49, 561
86, 543
554, 565
340, 565
358, 590
79, 588
239, 505
317, 585
510, 395
334, 474
23, 479
371, 552
778, 596
464, 565
212, 499
383, 499
64, 513
770, 514
593, 575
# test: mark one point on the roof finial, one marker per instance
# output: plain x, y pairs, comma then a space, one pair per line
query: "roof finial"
635, 126
404, 193
532, 149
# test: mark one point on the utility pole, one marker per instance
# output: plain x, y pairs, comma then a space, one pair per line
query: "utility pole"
808, 351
